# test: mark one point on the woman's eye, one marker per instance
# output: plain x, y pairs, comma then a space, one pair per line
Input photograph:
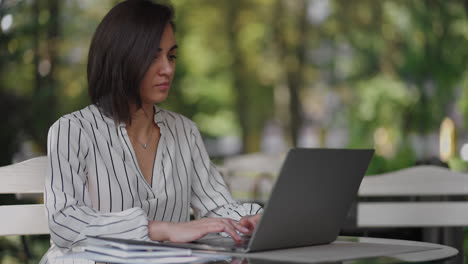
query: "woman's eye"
172, 57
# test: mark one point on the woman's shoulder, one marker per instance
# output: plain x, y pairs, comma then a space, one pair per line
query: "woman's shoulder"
173, 119
80, 118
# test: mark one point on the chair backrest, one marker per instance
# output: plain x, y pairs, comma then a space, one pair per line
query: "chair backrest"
251, 176
254, 162
20, 178
432, 190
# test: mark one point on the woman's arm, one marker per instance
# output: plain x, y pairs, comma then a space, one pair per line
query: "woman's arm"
209, 190
211, 197
67, 197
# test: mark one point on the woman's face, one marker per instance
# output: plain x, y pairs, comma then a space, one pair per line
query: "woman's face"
154, 88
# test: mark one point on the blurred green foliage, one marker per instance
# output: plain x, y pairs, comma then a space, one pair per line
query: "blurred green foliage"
394, 68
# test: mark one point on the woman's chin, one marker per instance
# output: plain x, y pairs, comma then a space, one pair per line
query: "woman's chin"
159, 99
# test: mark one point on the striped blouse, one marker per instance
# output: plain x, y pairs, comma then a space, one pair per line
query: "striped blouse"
94, 185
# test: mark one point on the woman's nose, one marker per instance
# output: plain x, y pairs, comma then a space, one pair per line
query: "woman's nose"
166, 67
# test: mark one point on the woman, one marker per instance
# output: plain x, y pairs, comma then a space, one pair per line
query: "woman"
123, 167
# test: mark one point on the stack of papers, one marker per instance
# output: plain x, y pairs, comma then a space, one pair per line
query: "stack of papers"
114, 250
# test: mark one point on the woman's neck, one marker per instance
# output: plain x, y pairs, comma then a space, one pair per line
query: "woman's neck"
142, 122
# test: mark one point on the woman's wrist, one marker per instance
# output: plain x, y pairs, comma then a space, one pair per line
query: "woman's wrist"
158, 231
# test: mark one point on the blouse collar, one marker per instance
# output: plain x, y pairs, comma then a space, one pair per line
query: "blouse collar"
157, 116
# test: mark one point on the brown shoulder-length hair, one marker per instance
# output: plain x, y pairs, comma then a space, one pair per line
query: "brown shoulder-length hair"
122, 49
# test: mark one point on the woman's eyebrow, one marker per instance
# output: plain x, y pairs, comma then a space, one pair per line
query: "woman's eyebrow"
171, 49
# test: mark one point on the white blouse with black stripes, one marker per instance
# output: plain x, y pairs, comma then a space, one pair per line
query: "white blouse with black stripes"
94, 185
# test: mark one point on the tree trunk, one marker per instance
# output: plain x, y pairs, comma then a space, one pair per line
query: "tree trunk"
290, 51
242, 102
44, 103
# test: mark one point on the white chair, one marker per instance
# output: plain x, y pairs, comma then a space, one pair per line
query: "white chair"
251, 176
26, 177
430, 203
254, 162
418, 181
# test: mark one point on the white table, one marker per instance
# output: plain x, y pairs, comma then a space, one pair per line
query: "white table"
346, 249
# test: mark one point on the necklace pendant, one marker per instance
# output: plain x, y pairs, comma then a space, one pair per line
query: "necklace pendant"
144, 145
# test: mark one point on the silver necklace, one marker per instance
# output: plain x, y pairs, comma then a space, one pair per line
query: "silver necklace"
145, 145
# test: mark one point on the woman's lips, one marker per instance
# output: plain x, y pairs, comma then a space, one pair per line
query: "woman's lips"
163, 86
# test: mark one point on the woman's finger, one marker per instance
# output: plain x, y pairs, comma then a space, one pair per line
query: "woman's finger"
223, 226
247, 223
233, 227
241, 228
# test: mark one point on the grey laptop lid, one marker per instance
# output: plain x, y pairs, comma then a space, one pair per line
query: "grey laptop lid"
309, 202
311, 197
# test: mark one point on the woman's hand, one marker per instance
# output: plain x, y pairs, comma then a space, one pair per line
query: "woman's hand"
250, 222
193, 230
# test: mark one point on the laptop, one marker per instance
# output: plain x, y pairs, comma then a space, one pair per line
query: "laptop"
308, 204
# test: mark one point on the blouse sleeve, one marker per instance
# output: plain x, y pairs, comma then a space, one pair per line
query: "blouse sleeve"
210, 195
71, 216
